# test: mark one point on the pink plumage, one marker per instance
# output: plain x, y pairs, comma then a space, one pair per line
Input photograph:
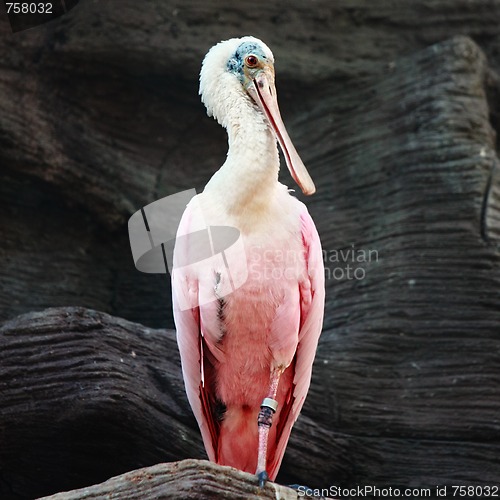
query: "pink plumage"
248, 324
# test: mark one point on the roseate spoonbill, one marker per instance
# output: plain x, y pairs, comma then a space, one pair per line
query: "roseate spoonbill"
247, 356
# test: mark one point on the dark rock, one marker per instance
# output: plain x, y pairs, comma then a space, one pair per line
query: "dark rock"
86, 396
189, 479
99, 116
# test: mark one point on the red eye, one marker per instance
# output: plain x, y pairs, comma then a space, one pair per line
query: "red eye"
251, 61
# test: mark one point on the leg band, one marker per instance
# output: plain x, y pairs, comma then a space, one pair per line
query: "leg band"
270, 403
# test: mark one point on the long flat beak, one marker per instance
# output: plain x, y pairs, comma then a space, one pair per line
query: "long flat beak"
263, 93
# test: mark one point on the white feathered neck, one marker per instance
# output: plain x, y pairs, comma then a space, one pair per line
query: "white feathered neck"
249, 175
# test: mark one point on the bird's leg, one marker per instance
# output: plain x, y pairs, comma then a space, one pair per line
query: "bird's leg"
265, 420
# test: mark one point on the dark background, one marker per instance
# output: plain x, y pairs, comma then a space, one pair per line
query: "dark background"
393, 106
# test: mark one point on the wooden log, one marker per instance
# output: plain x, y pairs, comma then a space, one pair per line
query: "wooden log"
189, 479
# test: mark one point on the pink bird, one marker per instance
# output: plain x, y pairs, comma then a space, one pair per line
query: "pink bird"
249, 318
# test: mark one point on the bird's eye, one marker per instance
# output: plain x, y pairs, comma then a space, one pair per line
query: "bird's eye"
251, 61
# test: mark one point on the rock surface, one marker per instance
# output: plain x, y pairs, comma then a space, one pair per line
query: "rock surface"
393, 107
189, 479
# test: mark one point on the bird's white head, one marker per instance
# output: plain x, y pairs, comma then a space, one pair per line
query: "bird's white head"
240, 71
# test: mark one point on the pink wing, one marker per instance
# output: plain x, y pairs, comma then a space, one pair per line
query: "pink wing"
198, 347
312, 294
195, 346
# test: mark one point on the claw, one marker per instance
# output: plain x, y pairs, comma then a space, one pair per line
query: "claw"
263, 478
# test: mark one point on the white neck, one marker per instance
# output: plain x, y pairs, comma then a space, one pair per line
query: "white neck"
247, 179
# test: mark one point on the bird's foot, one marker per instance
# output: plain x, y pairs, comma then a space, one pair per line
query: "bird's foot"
265, 421
263, 478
